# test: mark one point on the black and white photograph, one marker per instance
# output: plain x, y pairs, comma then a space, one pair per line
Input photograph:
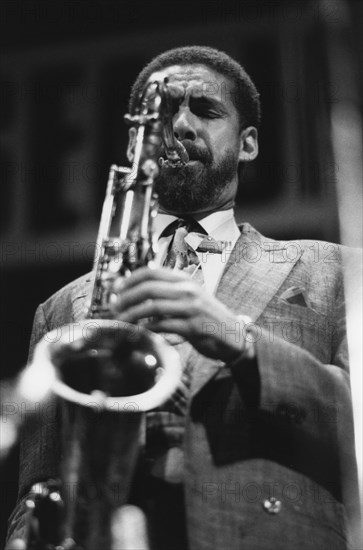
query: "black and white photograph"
181, 275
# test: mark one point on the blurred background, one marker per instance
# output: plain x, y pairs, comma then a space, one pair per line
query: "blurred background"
65, 73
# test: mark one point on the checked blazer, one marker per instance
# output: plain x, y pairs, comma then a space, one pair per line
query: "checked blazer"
269, 456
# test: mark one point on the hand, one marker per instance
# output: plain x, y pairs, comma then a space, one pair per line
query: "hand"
177, 304
16, 544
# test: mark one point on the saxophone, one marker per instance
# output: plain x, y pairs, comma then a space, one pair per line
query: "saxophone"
105, 373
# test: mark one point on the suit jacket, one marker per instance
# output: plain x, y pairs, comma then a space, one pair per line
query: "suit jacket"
268, 443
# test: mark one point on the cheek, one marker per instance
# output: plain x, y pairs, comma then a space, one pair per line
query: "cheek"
224, 141
220, 135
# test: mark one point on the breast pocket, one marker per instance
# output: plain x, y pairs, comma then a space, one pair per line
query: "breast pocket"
300, 325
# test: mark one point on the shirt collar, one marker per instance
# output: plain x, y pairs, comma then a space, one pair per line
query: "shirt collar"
220, 225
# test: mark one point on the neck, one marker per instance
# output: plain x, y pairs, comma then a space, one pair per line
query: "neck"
199, 214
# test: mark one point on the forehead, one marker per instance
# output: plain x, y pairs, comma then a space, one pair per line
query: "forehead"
195, 81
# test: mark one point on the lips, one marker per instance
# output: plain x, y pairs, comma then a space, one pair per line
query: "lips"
193, 156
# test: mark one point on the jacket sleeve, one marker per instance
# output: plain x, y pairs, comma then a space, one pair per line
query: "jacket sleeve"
38, 442
39, 445
302, 391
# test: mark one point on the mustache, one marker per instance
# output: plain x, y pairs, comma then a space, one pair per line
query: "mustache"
197, 153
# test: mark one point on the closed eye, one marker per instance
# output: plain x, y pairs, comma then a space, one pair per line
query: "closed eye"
205, 112
202, 107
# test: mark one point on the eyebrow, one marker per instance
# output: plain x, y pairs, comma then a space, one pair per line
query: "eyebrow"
208, 101
201, 99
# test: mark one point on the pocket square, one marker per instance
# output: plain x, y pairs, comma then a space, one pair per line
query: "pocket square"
295, 295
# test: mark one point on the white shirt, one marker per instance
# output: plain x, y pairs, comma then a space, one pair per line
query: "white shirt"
221, 226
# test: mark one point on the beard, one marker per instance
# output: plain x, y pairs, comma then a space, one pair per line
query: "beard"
195, 187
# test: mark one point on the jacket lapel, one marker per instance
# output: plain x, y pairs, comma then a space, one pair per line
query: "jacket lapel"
255, 270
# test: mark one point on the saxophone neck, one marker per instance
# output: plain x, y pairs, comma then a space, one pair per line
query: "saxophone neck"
175, 152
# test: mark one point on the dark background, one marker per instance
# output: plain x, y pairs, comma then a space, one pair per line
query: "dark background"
66, 70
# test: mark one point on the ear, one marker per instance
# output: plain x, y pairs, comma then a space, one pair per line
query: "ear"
248, 144
131, 145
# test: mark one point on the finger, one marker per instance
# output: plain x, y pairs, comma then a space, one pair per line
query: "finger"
17, 544
155, 308
174, 326
147, 274
149, 290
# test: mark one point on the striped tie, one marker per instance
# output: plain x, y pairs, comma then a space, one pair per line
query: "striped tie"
180, 255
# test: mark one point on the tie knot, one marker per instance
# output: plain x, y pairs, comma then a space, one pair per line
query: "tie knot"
189, 223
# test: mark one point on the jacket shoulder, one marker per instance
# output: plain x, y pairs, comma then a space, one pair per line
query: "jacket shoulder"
315, 253
58, 307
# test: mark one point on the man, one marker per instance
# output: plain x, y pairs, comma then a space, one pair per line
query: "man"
260, 441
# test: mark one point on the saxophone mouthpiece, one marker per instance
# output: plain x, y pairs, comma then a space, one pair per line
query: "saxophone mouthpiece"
177, 156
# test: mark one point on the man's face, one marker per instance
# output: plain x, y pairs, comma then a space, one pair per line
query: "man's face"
206, 121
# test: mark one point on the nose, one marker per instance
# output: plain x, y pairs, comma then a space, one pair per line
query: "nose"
183, 125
